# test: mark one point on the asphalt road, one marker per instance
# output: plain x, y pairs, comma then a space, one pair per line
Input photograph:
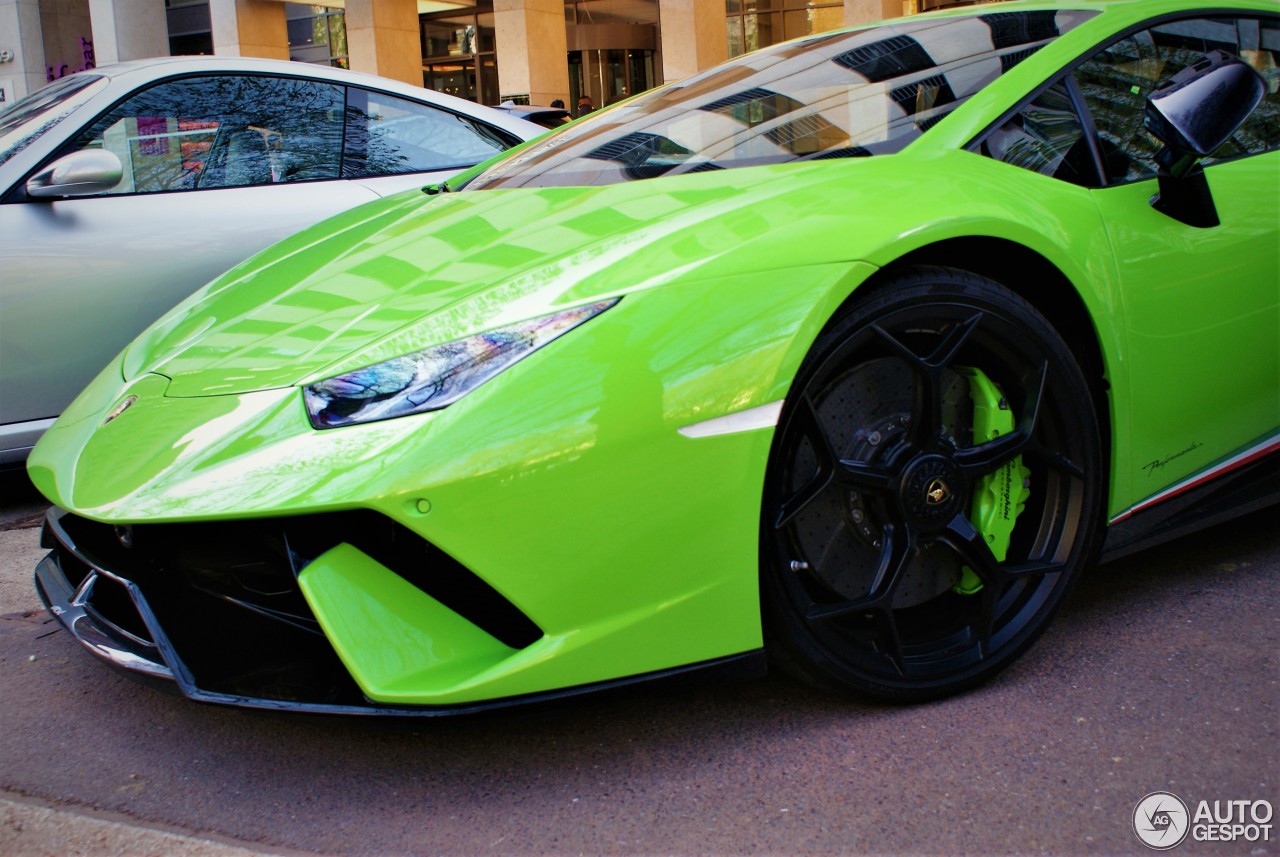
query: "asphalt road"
1162, 673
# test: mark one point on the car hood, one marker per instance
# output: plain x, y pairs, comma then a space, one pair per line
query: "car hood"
399, 275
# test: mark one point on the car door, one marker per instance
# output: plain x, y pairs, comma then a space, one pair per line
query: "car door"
1202, 304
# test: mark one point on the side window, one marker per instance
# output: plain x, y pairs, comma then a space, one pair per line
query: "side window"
203, 133
1260, 48
388, 135
1116, 81
1045, 137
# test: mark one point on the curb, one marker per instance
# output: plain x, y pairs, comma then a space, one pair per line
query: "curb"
32, 829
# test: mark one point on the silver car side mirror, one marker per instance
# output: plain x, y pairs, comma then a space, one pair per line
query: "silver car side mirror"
83, 173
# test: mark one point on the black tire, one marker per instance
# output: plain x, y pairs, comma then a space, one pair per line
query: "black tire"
866, 527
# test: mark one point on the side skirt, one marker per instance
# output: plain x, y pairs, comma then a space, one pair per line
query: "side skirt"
1243, 483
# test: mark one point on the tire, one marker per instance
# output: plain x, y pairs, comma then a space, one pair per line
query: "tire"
885, 570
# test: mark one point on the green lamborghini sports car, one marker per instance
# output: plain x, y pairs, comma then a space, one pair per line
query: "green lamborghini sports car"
849, 354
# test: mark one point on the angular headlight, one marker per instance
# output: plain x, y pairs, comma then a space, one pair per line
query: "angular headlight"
435, 377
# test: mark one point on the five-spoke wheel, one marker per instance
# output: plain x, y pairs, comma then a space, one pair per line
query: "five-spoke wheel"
934, 487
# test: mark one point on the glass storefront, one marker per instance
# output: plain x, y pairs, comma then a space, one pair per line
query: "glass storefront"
606, 76
317, 35
459, 54
190, 32
754, 24
614, 46
613, 49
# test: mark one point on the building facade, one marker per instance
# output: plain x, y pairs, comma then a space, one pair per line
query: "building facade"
527, 51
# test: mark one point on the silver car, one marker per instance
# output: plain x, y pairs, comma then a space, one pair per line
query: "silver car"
125, 188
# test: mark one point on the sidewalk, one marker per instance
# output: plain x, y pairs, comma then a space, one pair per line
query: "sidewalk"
19, 552
30, 828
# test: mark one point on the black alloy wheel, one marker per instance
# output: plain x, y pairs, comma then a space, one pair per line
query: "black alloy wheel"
880, 576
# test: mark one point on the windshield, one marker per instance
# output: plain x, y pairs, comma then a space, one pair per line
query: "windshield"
32, 116
839, 95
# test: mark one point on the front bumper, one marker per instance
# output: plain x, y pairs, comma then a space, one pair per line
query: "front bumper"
576, 485
215, 611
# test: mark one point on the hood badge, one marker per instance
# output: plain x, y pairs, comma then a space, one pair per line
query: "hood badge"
120, 408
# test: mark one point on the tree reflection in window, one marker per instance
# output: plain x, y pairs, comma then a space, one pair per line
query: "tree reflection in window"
389, 135
223, 131
219, 131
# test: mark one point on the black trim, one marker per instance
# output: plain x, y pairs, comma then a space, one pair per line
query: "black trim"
1238, 492
1087, 127
739, 667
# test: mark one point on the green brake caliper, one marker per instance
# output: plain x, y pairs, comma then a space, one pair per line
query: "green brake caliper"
1000, 497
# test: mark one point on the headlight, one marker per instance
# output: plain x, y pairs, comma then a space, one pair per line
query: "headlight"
435, 377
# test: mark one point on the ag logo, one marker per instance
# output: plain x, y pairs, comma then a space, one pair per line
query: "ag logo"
1161, 820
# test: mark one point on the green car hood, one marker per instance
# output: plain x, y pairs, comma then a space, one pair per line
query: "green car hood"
399, 275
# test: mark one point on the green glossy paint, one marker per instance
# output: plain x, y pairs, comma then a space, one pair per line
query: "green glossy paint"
396, 640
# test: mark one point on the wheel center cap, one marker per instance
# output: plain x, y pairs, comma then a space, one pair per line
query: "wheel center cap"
931, 491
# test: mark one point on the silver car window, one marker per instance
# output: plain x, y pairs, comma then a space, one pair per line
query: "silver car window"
209, 132
389, 135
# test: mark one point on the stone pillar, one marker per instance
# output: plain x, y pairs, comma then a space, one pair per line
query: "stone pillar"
128, 30
693, 36
383, 38
249, 28
868, 11
533, 53
21, 36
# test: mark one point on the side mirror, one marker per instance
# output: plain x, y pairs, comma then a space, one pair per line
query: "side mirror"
1193, 114
83, 173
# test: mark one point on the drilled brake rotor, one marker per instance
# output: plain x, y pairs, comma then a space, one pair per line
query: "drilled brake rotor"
870, 406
